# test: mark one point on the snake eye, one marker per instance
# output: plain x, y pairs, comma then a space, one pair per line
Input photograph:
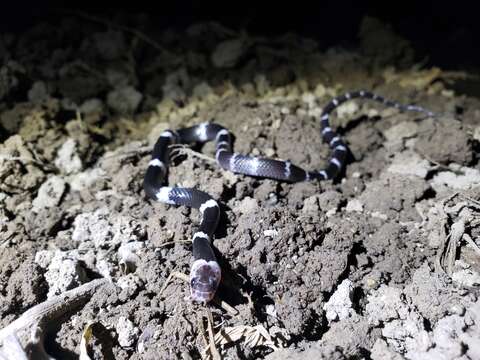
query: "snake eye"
193, 282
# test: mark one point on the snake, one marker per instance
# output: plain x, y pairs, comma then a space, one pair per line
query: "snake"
205, 271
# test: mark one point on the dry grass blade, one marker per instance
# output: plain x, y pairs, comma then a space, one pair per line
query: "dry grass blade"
461, 212
173, 242
202, 331
211, 337
252, 336
225, 306
181, 149
446, 258
128, 153
21, 158
472, 243
476, 202
177, 275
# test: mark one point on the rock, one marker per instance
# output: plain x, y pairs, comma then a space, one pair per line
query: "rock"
176, 85
381, 351
465, 275
44, 257
26, 287
65, 272
130, 282
98, 230
394, 195
130, 285
228, 53
354, 205
87, 179
340, 305
50, 193
18, 170
330, 200
270, 233
128, 257
105, 268
92, 106
454, 337
350, 335
38, 92
384, 305
461, 178
445, 141
127, 332
92, 227
246, 206
409, 163
12, 119
124, 100
310, 205
68, 159
309, 99
401, 131
403, 327
476, 133
424, 283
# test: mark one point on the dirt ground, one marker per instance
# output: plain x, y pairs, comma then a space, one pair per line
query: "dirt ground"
382, 264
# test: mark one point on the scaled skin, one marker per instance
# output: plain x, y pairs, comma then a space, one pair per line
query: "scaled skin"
204, 280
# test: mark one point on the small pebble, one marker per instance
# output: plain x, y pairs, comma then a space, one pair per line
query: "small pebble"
270, 233
354, 205
127, 332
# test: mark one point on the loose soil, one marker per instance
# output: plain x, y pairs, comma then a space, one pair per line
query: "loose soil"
382, 264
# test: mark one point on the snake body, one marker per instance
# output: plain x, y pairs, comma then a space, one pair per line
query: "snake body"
205, 272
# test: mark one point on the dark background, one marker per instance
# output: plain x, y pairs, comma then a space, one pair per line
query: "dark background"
446, 31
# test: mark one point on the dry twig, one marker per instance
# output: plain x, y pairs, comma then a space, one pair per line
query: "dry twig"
30, 327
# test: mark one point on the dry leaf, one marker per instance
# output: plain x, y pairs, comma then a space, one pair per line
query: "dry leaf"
86, 337
252, 336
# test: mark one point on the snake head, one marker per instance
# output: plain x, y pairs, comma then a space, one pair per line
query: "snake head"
204, 279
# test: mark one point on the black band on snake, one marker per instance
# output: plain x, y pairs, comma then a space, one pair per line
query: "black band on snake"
205, 271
